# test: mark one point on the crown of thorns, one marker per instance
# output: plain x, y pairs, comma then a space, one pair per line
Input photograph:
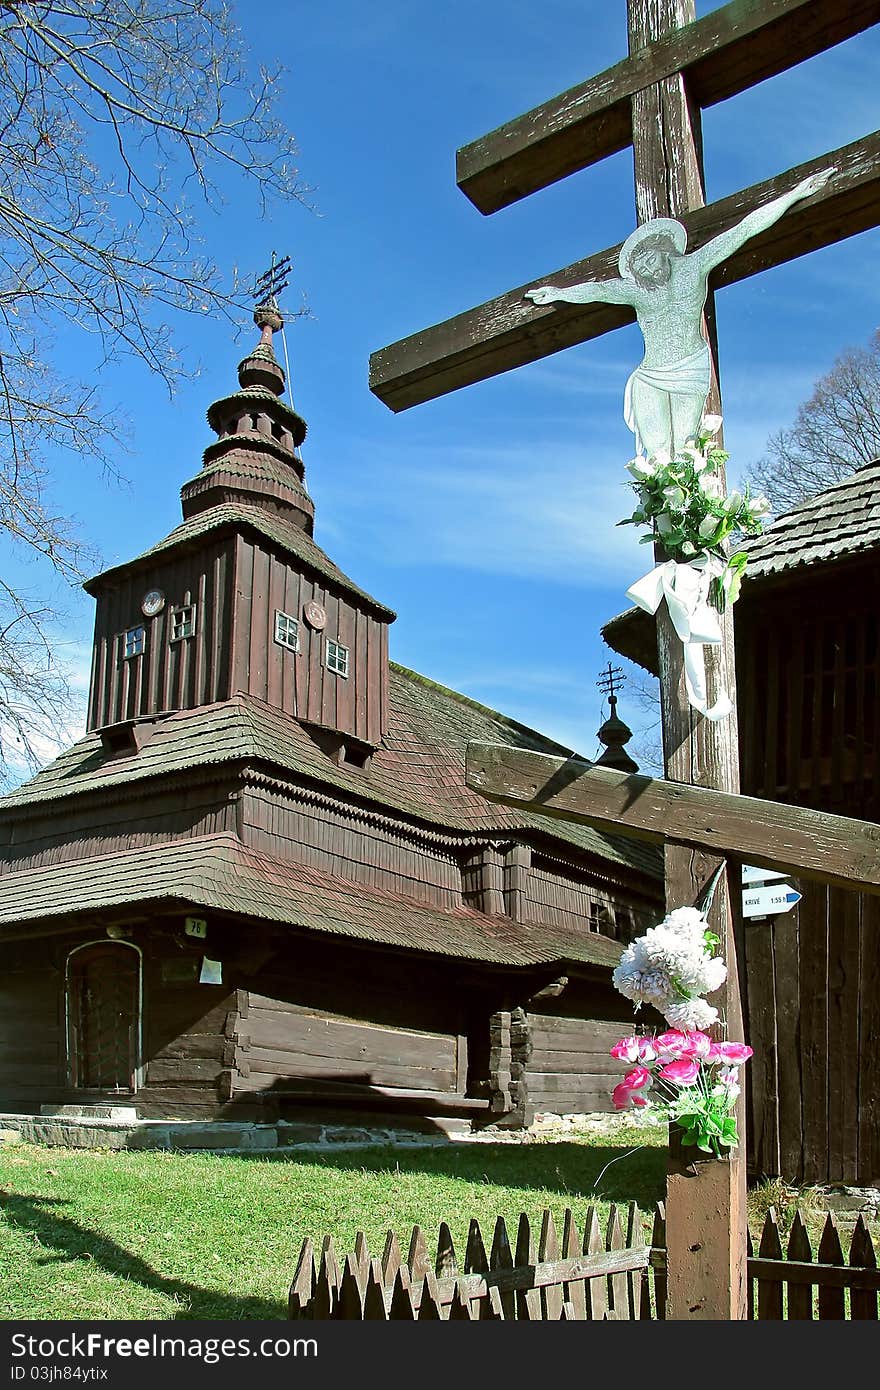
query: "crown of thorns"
662, 232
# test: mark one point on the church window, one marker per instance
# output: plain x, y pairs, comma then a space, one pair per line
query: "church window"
133, 642
337, 658
183, 622
286, 630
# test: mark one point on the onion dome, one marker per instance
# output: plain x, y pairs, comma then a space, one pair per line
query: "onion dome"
615, 734
255, 458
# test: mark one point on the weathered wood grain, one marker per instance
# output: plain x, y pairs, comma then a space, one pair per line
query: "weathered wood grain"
509, 331
726, 52
827, 849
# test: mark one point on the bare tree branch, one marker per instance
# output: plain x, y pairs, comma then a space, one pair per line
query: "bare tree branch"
834, 431
112, 114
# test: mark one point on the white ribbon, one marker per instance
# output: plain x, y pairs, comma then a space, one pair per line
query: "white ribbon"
686, 590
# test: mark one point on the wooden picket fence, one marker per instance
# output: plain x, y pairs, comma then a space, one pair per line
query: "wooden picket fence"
589, 1276
795, 1286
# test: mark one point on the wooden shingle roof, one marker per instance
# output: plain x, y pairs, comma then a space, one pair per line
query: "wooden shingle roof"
842, 520
276, 529
418, 771
217, 873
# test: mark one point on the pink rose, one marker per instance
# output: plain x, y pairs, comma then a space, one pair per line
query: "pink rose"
733, 1053
624, 1096
671, 1044
638, 1078
634, 1049
698, 1045
683, 1071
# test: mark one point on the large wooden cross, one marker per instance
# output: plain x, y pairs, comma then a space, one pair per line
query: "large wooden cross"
653, 100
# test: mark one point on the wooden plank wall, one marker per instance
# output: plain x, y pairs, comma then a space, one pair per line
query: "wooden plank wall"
282, 1041
169, 675
299, 683
809, 713
813, 979
355, 847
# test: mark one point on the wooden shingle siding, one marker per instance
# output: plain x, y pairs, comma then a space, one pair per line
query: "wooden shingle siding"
336, 842
190, 812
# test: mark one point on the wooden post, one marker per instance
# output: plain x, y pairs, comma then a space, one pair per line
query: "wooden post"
705, 1200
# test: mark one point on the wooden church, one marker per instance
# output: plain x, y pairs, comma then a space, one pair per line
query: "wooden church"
258, 887
808, 681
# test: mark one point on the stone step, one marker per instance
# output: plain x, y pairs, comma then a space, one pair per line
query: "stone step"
123, 1114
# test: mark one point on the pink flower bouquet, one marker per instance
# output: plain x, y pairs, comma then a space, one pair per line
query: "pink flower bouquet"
689, 1078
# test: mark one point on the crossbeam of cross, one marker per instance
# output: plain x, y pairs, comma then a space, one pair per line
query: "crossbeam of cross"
822, 848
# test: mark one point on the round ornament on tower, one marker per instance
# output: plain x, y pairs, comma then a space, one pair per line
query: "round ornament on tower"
314, 615
152, 603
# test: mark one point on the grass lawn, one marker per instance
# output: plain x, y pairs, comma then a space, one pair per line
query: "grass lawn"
181, 1235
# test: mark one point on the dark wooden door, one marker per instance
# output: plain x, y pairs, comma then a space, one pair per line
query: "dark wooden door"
104, 1001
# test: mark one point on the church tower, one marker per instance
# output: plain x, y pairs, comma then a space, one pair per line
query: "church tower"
239, 598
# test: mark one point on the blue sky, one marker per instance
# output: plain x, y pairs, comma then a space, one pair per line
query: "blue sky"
487, 518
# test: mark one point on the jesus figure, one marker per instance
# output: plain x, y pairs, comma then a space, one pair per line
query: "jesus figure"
665, 395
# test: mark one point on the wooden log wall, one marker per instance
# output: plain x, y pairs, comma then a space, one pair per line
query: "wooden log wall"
188, 1042
32, 1048
350, 844
43, 839
813, 979
299, 682
571, 1071
169, 675
278, 1041
334, 1015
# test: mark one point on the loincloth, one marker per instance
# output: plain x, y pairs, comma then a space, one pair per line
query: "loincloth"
689, 376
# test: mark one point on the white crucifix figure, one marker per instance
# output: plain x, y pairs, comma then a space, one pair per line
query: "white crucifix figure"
666, 394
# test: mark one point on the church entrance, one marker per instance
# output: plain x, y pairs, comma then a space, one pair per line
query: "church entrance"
104, 1016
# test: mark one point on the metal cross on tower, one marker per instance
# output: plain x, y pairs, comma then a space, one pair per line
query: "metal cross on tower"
273, 282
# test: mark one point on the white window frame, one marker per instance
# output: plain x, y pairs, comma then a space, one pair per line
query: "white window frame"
285, 627
135, 651
332, 657
173, 617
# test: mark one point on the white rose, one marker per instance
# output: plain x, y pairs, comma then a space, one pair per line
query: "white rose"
709, 527
641, 468
711, 425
